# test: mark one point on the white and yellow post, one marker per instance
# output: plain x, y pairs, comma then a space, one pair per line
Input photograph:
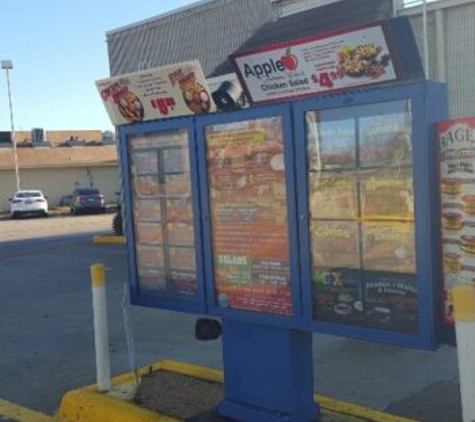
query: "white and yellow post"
101, 331
464, 311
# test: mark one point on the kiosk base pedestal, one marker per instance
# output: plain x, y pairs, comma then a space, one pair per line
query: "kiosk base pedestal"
268, 373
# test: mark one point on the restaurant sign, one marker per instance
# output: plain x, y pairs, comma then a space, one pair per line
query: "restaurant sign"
163, 92
457, 188
327, 62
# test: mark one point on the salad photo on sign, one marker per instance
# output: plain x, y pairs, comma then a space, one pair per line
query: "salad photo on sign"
363, 60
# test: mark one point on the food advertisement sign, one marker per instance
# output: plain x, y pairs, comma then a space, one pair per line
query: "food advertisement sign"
163, 215
316, 65
457, 187
176, 90
248, 203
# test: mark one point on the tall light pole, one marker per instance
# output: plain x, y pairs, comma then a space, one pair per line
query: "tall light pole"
8, 65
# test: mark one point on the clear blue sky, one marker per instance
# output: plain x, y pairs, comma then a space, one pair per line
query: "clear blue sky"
58, 51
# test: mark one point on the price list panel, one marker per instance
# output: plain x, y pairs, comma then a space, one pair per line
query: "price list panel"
361, 216
163, 215
249, 216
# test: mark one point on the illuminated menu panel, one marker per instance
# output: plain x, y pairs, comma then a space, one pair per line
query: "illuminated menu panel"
249, 228
361, 207
163, 214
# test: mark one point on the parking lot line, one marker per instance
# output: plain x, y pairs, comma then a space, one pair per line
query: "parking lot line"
9, 410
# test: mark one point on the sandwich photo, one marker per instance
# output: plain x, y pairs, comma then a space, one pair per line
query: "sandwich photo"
451, 187
468, 204
452, 221
467, 244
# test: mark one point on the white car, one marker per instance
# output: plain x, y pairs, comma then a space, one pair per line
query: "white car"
28, 202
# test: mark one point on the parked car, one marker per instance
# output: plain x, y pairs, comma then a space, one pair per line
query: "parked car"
28, 202
87, 200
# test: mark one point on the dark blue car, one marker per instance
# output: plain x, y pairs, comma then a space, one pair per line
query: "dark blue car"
87, 200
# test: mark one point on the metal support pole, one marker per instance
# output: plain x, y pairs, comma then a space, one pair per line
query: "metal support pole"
101, 330
426, 45
464, 307
440, 45
15, 153
263, 387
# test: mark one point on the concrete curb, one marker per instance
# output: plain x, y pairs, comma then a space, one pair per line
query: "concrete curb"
109, 240
88, 405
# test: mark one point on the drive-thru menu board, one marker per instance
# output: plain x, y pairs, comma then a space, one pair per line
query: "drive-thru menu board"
163, 214
361, 207
457, 175
248, 207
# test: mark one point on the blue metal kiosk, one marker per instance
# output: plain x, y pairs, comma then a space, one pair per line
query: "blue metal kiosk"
313, 215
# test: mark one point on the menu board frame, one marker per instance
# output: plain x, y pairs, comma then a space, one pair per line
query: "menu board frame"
146, 297
428, 101
283, 111
427, 241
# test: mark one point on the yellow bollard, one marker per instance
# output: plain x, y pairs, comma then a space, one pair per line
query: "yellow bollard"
101, 330
98, 275
464, 315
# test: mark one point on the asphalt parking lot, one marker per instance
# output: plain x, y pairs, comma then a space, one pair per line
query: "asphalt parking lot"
47, 344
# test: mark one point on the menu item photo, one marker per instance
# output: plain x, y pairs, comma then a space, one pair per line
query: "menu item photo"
387, 194
451, 187
337, 296
179, 210
331, 143
363, 60
130, 106
144, 162
148, 233
389, 247
146, 186
335, 244
468, 204
183, 282
150, 257
467, 243
390, 301
147, 210
180, 234
177, 184
182, 258
385, 140
333, 195
175, 159
452, 262
452, 221
152, 279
